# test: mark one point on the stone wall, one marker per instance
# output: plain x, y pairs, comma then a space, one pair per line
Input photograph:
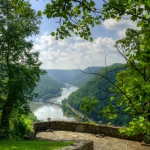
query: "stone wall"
107, 130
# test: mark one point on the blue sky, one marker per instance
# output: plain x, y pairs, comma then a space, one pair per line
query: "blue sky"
73, 52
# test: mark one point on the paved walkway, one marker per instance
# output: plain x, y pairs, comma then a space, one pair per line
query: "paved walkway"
105, 143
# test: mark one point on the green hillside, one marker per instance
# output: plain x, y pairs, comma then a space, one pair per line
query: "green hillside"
47, 88
84, 77
63, 76
98, 88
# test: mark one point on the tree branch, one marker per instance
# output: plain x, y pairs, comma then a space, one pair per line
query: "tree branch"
126, 12
113, 85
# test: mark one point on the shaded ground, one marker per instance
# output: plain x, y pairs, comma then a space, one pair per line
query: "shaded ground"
105, 143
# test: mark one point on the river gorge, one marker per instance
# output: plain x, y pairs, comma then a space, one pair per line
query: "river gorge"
44, 110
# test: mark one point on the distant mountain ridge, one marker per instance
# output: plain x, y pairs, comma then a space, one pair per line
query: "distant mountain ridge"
84, 76
63, 76
75, 77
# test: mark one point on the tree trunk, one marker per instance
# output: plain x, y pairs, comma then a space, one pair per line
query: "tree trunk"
6, 113
148, 117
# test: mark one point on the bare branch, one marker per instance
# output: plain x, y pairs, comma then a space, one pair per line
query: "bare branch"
113, 85
106, 65
134, 66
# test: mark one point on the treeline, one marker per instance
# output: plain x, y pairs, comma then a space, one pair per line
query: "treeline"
69, 111
99, 88
47, 88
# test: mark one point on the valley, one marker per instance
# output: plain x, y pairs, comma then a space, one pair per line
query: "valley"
71, 98
43, 110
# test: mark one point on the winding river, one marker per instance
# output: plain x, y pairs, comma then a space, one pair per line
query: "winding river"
43, 111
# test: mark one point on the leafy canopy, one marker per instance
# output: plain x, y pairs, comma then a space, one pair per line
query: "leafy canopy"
74, 17
78, 16
19, 65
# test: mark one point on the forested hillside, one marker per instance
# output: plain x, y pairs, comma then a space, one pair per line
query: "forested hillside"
63, 76
84, 77
47, 88
98, 88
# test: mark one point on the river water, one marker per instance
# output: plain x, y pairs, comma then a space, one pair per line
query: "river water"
43, 111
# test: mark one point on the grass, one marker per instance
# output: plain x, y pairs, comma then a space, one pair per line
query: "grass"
32, 145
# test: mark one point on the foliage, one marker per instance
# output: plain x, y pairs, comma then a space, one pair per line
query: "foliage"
78, 16
47, 88
66, 108
33, 145
88, 104
20, 126
19, 66
97, 89
71, 111
133, 94
136, 126
75, 17
133, 84
138, 10
32, 117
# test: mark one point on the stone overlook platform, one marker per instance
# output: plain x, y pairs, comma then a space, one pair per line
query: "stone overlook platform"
105, 143
113, 139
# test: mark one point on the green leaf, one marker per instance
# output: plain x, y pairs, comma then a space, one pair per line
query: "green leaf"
118, 18
148, 2
119, 103
92, 3
112, 98
76, 9
98, 23
53, 34
91, 39
128, 108
134, 18
40, 13
109, 123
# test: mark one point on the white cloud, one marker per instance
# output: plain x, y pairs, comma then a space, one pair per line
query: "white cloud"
120, 26
73, 52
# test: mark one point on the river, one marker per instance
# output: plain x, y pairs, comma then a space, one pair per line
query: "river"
43, 111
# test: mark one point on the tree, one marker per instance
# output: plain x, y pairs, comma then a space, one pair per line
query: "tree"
19, 65
135, 82
132, 86
77, 16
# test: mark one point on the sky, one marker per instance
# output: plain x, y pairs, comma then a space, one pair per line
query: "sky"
74, 52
